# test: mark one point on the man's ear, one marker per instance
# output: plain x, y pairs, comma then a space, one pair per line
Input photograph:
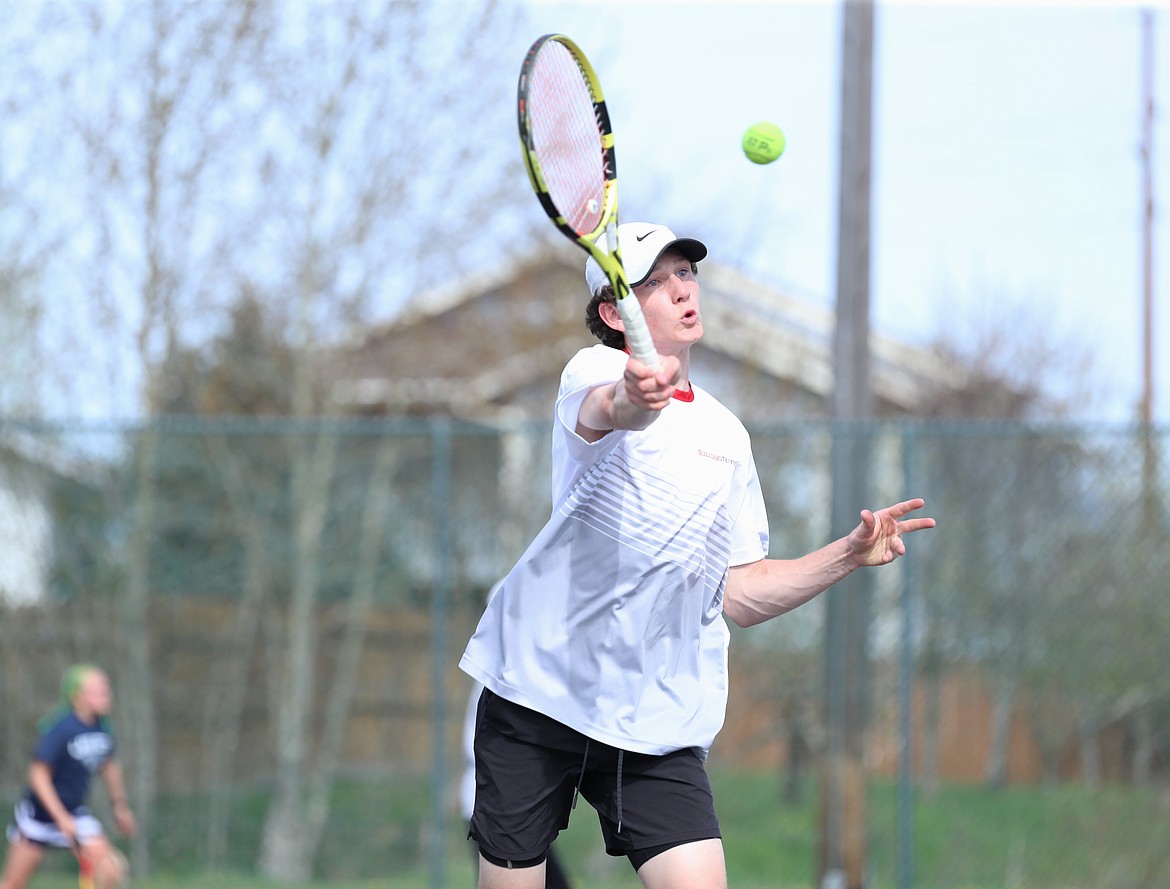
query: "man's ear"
609, 313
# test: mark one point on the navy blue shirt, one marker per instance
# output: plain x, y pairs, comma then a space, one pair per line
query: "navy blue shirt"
73, 751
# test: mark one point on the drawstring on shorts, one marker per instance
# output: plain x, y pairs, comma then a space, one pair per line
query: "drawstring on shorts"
581, 779
621, 754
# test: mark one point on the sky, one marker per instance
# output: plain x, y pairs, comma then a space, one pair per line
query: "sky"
1006, 178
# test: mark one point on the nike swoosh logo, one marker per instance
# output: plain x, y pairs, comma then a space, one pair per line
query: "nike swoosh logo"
641, 238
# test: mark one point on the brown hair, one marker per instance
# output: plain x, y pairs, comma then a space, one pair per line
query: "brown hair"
615, 339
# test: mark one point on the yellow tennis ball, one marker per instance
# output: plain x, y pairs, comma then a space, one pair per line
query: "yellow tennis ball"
763, 142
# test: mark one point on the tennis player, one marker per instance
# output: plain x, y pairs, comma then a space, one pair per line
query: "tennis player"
555, 876
604, 652
75, 741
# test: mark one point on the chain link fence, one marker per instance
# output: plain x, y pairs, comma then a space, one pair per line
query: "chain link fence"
281, 606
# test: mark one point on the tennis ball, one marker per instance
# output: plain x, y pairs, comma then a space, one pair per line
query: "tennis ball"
763, 142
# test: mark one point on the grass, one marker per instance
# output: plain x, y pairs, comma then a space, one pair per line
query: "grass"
1063, 837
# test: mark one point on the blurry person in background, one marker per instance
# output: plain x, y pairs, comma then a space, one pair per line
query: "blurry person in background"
75, 741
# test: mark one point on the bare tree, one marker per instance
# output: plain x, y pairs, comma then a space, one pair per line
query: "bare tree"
1008, 491
361, 201
353, 625
312, 155
139, 110
28, 233
223, 723
20, 348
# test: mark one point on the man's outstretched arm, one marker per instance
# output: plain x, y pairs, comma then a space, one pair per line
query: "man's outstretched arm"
759, 591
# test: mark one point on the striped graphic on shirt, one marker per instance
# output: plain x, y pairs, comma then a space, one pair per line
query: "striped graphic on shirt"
638, 506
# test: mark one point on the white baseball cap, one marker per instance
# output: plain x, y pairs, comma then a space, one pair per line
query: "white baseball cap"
642, 244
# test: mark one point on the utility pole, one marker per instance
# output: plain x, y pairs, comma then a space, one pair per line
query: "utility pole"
1149, 466
844, 836
1147, 152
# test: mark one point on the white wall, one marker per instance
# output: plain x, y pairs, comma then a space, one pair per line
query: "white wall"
25, 538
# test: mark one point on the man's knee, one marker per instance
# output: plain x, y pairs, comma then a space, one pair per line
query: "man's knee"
112, 871
699, 864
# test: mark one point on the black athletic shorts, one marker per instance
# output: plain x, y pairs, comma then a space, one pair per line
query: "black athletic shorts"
528, 768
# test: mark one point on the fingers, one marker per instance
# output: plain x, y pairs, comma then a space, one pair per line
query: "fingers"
649, 387
895, 512
882, 530
906, 526
900, 509
86, 852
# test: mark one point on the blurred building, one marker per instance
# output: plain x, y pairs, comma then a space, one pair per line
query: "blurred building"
41, 489
494, 344
25, 527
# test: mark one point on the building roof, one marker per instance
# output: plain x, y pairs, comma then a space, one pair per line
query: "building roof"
497, 341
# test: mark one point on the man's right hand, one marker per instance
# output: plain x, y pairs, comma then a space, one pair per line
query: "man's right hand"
633, 402
646, 388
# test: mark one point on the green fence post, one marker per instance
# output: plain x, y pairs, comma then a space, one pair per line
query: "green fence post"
906, 693
440, 598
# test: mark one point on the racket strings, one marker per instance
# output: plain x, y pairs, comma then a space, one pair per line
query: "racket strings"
567, 138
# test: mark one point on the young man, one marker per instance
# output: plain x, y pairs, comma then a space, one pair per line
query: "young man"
604, 651
75, 742
555, 876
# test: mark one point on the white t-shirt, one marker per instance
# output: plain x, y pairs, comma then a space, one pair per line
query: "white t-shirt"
612, 620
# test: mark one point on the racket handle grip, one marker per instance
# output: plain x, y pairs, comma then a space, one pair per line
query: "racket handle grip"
637, 334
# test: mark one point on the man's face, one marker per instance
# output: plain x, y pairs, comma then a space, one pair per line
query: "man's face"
94, 693
670, 301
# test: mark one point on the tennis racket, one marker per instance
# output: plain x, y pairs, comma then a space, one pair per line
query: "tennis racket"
568, 149
114, 867
85, 867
